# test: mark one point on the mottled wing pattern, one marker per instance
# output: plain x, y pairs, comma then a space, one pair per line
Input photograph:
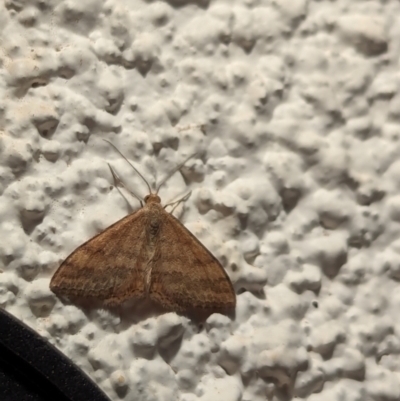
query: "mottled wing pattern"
109, 267
185, 275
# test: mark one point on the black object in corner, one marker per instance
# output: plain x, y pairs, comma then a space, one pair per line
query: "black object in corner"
31, 369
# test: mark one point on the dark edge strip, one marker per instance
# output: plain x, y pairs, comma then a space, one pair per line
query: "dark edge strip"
34, 359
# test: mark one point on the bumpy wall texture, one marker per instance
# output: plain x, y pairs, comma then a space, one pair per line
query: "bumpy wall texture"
293, 109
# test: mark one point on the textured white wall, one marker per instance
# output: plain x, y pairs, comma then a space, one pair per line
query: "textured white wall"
294, 109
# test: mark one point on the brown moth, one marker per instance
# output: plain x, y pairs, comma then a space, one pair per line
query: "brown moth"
147, 254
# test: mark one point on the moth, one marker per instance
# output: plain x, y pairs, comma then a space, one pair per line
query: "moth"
147, 254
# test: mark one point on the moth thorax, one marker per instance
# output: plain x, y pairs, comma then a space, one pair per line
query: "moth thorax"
154, 226
152, 198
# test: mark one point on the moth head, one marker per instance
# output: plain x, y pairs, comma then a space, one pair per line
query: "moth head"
152, 198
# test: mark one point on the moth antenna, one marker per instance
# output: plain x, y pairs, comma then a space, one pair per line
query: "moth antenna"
172, 172
118, 182
137, 172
